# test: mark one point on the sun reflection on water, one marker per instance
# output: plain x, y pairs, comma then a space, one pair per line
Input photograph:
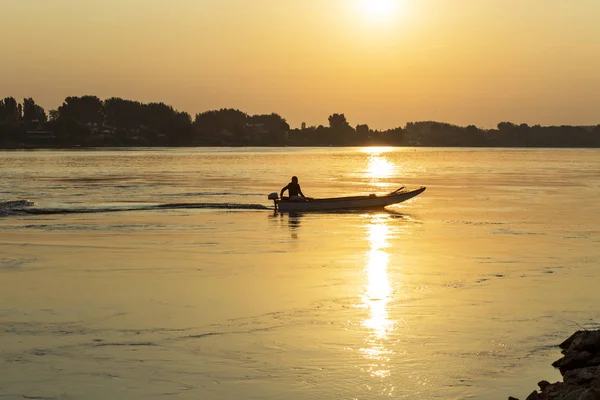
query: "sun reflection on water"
377, 149
379, 166
377, 295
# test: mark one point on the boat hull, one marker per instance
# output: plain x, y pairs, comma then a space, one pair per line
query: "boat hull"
347, 203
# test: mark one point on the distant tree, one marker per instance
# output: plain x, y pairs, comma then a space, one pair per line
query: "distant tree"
268, 129
506, 126
121, 113
69, 131
362, 129
338, 122
472, 136
394, 136
239, 132
339, 131
165, 121
11, 132
510, 134
10, 110
271, 122
53, 115
134, 123
33, 112
213, 122
86, 109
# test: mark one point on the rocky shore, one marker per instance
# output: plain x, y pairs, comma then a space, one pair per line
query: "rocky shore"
580, 368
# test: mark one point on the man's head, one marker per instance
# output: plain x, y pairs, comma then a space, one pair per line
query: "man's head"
294, 179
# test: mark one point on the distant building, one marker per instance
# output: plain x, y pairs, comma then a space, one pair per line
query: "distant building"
257, 129
40, 138
225, 133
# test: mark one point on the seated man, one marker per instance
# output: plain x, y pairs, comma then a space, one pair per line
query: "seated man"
294, 190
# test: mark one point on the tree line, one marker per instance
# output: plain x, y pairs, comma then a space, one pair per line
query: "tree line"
88, 121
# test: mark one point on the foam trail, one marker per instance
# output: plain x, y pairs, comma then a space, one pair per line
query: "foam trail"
23, 207
230, 206
7, 205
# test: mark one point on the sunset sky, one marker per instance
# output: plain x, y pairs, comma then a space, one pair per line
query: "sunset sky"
381, 62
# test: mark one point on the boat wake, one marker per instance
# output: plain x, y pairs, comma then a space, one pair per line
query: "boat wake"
7, 205
25, 207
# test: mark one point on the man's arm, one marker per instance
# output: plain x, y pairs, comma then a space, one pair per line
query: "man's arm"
300, 192
283, 190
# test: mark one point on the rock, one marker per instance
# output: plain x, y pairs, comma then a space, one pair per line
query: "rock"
555, 390
594, 361
590, 394
580, 368
533, 396
582, 341
567, 343
596, 382
573, 360
580, 376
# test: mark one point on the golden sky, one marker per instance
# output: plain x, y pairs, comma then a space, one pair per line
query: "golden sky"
381, 62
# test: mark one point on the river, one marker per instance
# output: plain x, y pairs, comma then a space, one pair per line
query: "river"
165, 273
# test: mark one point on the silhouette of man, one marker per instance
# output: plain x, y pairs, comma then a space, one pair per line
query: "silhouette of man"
293, 189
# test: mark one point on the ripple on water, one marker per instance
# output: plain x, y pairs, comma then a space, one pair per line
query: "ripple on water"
15, 264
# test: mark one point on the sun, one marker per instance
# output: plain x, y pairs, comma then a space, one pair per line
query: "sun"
379, 8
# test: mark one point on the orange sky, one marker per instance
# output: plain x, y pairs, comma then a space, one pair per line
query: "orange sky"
459, 61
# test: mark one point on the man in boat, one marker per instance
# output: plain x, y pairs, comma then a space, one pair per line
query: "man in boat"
294, 190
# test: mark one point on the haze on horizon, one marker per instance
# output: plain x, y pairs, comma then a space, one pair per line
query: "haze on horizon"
460, 61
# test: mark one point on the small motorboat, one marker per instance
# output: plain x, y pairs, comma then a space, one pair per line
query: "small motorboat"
286, 204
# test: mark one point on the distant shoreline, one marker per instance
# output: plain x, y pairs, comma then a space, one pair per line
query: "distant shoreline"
125, 148
89, 122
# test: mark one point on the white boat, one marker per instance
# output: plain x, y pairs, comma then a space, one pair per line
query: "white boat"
344, 203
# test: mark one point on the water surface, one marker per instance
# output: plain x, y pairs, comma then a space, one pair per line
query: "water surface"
152, 273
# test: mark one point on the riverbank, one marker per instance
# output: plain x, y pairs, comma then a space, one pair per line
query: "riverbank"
580, 368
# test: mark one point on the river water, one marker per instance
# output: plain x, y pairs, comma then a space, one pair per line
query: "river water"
165, 273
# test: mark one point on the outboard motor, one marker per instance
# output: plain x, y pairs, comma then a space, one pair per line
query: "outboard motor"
274, 196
